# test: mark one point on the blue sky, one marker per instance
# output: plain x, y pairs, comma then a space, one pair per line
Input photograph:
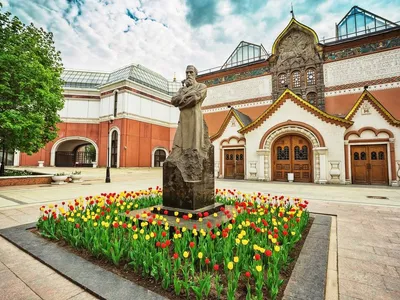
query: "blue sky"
167, 35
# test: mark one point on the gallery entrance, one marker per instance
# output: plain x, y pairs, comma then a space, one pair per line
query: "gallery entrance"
234, 163
292, 154
369, 164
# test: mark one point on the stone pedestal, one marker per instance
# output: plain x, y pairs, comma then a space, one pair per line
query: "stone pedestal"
188, 181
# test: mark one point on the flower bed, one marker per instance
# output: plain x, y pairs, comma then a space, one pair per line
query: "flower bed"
247, 253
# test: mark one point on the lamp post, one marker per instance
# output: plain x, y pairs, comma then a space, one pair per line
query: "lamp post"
108, 179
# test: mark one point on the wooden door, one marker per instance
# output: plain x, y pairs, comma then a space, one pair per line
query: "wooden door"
369, 164
301, 154
229, 164
282, 158
234, 163
292, 154
239, 168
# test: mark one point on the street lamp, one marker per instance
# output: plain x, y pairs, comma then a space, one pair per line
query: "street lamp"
110, 121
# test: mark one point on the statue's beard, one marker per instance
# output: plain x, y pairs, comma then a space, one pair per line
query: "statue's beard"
189, 82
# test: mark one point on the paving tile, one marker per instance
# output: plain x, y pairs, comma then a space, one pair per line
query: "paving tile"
367, 278
366, 256
346, 297
363, 291
54, 286
391, 283
354, 246
365, 266
11, 212
29, 270
387, 252
395, 241
6, 223
18, 291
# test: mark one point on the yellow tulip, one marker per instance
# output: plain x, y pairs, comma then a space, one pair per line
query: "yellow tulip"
185, 254
236, 259
277, 248
259, 268
135, 236
230, 265
200, 255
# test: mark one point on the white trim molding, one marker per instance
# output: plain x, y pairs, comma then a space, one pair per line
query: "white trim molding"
112, 129
70, 138
153, 155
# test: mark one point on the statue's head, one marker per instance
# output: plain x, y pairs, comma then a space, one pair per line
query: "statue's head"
191, 73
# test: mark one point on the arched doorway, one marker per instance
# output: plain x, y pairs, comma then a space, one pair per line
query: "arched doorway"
292, 154
74, 151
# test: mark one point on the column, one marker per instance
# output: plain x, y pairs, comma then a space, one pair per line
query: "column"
260, 169
322, 152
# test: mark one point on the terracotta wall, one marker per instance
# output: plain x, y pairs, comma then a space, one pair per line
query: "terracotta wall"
138, 139
214, 120
90, 131
342, 104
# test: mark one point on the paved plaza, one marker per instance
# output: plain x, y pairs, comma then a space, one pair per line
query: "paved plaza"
365, 257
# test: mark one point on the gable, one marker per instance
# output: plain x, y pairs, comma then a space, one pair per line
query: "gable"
279, 107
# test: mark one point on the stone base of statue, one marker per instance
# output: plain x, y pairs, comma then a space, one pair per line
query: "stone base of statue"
188, 182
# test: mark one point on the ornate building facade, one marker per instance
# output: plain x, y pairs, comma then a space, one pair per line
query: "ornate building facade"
312, 111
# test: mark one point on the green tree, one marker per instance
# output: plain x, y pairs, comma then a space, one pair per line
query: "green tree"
30, 86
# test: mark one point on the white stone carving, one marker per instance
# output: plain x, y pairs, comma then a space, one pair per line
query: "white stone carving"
366, 108
363, 68
239, 90
334, 171
253, 170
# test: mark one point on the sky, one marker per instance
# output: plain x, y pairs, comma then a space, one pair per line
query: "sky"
167, 35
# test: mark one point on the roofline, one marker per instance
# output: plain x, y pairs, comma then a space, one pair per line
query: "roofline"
281, 98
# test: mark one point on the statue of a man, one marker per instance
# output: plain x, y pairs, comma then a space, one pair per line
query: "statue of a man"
192, 130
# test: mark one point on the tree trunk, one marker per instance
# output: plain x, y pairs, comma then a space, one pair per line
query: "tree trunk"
3, 160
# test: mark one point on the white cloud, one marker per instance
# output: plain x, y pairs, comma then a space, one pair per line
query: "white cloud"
91, 36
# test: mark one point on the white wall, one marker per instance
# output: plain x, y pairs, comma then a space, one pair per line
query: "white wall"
363, 68
240, 90
80, 109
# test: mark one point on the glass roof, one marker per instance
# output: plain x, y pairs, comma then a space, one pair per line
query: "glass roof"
83, 79
245, 53
359, 21
137, 73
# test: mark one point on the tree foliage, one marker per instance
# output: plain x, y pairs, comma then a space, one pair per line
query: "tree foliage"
30, 86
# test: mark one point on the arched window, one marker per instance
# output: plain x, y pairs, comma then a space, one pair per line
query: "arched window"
296, 79
311, 76
282, 80
115, 103
114, 149
282, 154
312, 98
159, 157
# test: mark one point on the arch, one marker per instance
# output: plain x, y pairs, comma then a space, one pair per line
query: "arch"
289, 126
70, 138
154, 152
112, 129
238, 140
361, 130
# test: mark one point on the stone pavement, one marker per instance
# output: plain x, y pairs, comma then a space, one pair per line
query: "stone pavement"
365, 256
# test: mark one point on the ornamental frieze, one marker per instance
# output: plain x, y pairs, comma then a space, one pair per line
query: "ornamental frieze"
363, 49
